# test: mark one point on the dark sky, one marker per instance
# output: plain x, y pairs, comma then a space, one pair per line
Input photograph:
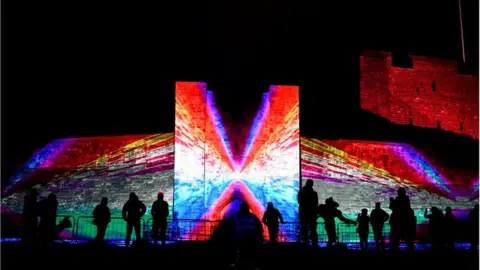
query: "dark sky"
72, 70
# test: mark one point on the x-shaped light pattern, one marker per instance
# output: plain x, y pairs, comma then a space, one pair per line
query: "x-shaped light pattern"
210, 182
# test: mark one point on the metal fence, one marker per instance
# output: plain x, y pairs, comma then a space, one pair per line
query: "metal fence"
116, 230
186, 230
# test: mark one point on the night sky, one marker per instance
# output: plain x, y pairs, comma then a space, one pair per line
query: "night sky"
72, 70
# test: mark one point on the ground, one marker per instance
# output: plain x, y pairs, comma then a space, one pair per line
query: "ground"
202, 255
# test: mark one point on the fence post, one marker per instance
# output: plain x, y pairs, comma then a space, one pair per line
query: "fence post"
77, 225
75, 222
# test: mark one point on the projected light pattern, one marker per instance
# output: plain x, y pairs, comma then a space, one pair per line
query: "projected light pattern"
209, 183
82, 171
210, 179
359, 173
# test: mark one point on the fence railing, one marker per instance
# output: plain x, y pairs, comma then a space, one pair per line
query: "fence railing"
185, 229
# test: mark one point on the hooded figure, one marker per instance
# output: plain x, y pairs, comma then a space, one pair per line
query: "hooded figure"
132, 212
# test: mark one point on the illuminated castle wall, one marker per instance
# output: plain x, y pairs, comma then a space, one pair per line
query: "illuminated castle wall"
203, 179
359, 173
355, 173
431, 94
210, 182
82, 171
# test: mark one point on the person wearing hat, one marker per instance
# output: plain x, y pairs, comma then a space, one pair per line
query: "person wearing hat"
329, 211
271, 218
159, 213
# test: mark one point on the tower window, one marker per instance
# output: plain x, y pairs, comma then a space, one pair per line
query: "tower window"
439, 125
434, 86
410, 122
461, 126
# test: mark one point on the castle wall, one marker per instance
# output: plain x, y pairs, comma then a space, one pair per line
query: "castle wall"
432, 94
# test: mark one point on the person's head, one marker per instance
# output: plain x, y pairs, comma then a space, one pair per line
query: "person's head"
270, 205
104, 201
378, 205
434, 210
364, 212
402, 192
132, 196
160, 196
331, 202
448, 210
475, 207
309, 183
52, 197
244, 208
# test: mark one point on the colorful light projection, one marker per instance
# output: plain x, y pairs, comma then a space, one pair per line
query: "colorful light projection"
359, 173
82, 171
209, 182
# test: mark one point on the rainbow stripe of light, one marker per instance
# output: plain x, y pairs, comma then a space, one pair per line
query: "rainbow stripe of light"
359, 173
82, 171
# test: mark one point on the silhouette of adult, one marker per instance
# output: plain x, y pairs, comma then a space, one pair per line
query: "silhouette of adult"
101, 219
401, 220
435, 226
308, 203
329, 211
450, 228
472, 223
29, 216
378, 217
48, 218
271, 218
159, 213
132, 212
363, 229
247, 235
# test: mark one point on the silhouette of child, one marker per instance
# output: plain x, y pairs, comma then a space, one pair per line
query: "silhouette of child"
363, 221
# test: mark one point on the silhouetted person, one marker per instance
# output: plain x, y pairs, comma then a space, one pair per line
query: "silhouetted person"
132, 212
29, 216
450, 228
401, 220
378, 217
472, 223
48, 218
329, 212
101, 219
435, 226
363, 229
271, 218
159, 213
247, 234
62, 225
308, 203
